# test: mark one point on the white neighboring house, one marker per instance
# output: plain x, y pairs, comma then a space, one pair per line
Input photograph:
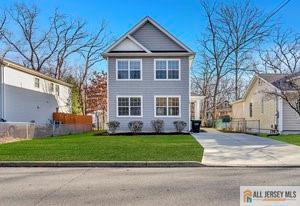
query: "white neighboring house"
270, 111
27, 95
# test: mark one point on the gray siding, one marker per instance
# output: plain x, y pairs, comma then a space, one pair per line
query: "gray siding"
148, 88
291, 120
155, 40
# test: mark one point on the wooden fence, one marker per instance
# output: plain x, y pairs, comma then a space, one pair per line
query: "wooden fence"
65, 118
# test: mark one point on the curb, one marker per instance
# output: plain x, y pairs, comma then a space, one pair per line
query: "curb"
137, 164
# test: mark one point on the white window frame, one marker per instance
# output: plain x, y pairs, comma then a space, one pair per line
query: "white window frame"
128, 96
167, 70
39, 82
128, 62
167, 96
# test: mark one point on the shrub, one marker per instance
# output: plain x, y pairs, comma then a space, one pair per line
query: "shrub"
157, 125
179, 125
226, 118
112, 126
135, 126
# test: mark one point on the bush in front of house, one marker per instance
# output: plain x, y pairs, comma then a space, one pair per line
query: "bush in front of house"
135, 126
113, 126
180, 125
226, 118
157, 125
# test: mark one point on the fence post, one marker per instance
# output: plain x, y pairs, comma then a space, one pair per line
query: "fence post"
27, 128
53, 129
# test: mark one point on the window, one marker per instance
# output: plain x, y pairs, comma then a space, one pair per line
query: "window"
167, 69
36, 82
250, 110
129, 69
51, 87
57, 90
298, 105
262, 105
167, 106
129, 106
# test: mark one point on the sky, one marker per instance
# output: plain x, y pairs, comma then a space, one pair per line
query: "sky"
182, 18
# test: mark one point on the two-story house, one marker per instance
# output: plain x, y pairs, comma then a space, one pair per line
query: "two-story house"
149, 77
28, 95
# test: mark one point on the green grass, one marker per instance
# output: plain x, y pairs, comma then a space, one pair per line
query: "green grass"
88, 147
291, 138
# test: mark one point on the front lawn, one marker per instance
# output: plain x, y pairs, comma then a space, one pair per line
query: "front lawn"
291, 138
88, 147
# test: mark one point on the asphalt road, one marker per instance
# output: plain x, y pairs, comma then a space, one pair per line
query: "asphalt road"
135, 186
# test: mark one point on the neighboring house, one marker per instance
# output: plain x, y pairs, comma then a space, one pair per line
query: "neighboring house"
223, 109
27, 95
149, 77
269, 111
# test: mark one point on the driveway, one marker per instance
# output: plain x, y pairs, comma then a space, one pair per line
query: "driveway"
234, 149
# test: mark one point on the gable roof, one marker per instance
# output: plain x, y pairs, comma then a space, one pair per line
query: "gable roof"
130, 33
277, 81
27, 70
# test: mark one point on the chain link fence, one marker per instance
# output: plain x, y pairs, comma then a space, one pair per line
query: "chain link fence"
10, 131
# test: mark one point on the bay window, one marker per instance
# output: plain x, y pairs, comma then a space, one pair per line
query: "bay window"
167, 69
129, 69
167, 106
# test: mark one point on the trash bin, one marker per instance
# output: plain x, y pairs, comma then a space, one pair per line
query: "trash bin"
196, 126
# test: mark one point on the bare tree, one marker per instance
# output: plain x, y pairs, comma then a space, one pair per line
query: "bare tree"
91, 55
284, 58
70, 38
32, 45
44, 50
217, 48
247, 27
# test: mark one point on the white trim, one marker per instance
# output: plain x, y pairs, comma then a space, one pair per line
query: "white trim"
137, 26
132, 59
280, 113
2, 95
129, 96
167, 96
144, 54
139, 44
167, 69
107, 94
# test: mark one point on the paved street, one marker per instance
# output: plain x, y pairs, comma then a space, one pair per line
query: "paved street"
247, 150
134, 186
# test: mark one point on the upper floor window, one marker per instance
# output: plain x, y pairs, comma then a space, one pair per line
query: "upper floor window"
57, 90
51, 87
129, 106
167, 69
129, 69
167, 106
36, 82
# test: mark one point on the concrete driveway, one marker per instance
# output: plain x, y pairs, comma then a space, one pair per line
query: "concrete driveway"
233, 149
